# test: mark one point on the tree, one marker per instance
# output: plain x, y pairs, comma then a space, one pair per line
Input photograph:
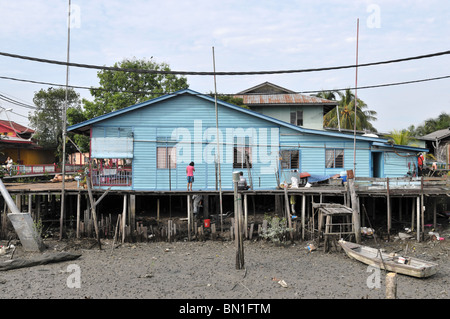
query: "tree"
346, 116
230, 99
119, 89
402, 137
47, 118
433, 124
329, 95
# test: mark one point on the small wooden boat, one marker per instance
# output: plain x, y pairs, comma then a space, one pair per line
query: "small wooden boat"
399, 264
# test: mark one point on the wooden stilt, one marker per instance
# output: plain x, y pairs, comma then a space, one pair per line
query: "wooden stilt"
355, 206
189, 217
434, 211
422, 214
391, 286
78, 214
132, 211
157, 209
303, 215
124, 217
245, 216
418, 210
388, 202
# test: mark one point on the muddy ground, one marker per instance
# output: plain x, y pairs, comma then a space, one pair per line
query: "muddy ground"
207, 269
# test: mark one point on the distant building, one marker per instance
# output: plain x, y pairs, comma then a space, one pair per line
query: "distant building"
439, 144
286, 105
16, 142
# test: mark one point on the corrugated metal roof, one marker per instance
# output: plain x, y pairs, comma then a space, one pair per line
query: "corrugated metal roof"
16, 127
251, 99
440, 134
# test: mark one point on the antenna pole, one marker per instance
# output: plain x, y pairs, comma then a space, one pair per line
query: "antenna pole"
64, 133
218, 142
356, 98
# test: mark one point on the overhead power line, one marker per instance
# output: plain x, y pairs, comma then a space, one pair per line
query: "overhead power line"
98, 67
231, 94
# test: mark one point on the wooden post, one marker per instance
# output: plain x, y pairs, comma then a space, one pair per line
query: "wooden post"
288, 211
355, 206
391, 285
157, 209
78, 214
434, 212
30, 203
132, 211
422, 213
418, 210
245, 216
38, 206
238, 224
124, 217
94, 214
388, 201
303, 215
188, 215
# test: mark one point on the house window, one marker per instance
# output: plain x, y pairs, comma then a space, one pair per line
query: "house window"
164, 155
290, 159
242, 154
297, 118
334, 158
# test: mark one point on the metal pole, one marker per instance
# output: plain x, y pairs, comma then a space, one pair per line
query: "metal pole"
356, 98
61, 222
218, 142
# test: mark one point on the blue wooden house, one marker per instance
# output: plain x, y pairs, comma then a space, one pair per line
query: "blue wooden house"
147, 146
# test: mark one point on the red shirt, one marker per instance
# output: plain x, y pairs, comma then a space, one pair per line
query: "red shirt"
190, 170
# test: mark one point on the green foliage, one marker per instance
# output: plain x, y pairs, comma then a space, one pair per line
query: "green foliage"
346, 117
119, 89
431, 125
402, 137
276, 229
230, 99
47, 118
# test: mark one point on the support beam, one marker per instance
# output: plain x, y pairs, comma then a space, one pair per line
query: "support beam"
418, 210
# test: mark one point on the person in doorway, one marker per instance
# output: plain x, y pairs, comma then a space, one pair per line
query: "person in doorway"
242, 184
9, 163
190, 175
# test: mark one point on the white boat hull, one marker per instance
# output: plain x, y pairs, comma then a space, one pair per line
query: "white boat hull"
403, 265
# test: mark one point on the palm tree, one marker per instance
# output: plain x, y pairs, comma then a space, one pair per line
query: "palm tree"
328, 95
402, 137
346, 117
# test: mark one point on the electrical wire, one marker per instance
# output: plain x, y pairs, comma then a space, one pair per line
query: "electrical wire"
228, 94
98, 67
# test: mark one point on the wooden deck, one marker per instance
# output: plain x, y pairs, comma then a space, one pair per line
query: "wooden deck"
429, 186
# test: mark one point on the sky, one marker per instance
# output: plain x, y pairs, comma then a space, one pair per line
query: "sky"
246, 35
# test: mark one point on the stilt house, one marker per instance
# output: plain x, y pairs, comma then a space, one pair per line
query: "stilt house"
147, 147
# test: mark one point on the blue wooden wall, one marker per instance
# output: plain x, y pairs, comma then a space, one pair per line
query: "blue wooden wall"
188, 122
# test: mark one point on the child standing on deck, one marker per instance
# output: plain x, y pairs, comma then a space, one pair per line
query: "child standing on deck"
190, 175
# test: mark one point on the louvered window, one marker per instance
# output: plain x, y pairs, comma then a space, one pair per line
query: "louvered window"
334, 158
290, 159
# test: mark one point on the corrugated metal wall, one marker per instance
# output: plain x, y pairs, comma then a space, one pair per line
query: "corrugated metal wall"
188, 123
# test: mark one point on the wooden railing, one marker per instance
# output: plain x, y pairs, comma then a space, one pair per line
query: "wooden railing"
111, 177
41, 169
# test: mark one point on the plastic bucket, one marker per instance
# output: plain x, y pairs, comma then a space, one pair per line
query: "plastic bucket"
207, 222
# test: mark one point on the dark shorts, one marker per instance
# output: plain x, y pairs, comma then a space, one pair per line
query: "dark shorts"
190, 179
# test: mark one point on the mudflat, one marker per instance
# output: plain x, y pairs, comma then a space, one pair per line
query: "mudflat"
207, 269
